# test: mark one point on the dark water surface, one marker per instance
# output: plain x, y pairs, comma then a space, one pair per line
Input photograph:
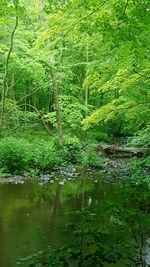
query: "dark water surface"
33, 215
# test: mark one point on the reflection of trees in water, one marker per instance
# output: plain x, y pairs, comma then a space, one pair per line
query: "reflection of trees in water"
82, 194
56, 205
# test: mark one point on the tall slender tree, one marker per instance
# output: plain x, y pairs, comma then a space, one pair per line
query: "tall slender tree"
5, 79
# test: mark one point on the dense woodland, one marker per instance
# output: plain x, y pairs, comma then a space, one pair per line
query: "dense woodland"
74, 83
75, 66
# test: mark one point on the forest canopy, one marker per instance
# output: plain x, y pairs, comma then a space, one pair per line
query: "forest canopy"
76, 66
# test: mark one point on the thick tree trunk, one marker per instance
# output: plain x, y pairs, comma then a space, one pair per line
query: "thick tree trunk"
5, 79
57, 106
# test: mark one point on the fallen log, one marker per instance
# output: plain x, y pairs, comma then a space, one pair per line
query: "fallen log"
128, 151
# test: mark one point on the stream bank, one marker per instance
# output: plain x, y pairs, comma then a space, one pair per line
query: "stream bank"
109, 171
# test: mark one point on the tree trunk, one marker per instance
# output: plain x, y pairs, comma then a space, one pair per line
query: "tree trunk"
129, 151
5, 79
57, 106
87, 60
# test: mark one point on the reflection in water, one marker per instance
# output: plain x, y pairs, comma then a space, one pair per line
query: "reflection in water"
55, 207
147, 251
32, 216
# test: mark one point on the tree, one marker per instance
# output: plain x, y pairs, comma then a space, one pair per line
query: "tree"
5, 79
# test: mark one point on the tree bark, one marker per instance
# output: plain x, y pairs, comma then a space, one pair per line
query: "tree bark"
131, 151
57, 106
87, 60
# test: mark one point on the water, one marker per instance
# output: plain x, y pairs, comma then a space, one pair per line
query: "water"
33, 215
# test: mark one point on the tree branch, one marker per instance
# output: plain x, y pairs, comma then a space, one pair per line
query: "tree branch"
40, 116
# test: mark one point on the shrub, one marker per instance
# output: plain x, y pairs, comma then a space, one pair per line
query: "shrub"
146, 162
142, 139
44, 157
140, 164
71, 149
98, 136
90, 158
17, 155
14, 154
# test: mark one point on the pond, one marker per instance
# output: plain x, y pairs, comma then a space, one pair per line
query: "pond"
32, 215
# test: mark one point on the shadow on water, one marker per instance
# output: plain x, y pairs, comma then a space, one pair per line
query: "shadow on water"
32, 216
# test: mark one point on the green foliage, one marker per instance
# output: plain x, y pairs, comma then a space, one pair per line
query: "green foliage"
141, 139
91, 245
97, 136
73, 112
28, 118
100, 54
140, 166
14, 155
92, 159
111, 70
33, 132
12, 114
121, 113
18, 155
44, 157
111, 66
146, 162
71, 150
